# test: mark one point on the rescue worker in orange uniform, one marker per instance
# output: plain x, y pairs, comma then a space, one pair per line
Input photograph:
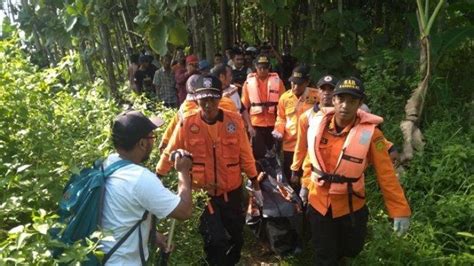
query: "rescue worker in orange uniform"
217, 140
188, 107
291, 105
325, 88
341, 142
260, 95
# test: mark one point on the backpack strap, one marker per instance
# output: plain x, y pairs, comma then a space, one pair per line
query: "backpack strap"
108, 171
115, 166
125, 237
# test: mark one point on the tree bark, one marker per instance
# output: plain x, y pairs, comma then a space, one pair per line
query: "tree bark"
126, 16
86, 60
412, 136
109, 63
197, 43
208, 28
226, 28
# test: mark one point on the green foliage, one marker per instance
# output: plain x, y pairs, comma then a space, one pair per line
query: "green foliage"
438, 182
53, 122
161, 22
48, 129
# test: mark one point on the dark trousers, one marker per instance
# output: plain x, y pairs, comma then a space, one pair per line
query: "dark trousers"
336, 238
287, 161
222, 230
262, 141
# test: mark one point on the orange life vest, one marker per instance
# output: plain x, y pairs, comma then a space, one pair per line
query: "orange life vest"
216, 165
258, 105
348, 177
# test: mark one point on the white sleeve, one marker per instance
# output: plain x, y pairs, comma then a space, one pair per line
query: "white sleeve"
154, 197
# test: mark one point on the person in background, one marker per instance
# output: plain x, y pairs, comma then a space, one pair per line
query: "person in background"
239, 71
229, 53
132, 68
218, 59
144, 75
165, 85
288, 62
291, 105
182, 76
260, 95
249, 57
204, 67
224, 74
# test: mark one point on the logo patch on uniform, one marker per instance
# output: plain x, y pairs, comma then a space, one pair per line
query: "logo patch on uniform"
324, 140
380, 144
364, 137
231, 127
194, 129
327, 78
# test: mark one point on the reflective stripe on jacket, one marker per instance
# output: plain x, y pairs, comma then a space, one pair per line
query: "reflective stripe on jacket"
258, 105
261, 98
352, 159
330, 146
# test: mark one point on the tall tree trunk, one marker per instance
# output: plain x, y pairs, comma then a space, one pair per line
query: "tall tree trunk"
127, 21
197, 39
120, 52
36, 36
208, 27
412, 136
109, 63
125, 41
39, 44
86, 60
226, 28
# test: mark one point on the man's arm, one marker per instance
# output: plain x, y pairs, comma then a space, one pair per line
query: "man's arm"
394, 197
281, 117
301, 148
245, 114
245, 97
160, 201
247, 161
181, 76
184, 209
282, 88
176, 142
168, 133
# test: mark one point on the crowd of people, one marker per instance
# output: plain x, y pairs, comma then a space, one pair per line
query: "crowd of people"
229, 116
165, 79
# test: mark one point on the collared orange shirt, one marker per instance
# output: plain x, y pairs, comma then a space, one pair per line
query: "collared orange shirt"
289, 109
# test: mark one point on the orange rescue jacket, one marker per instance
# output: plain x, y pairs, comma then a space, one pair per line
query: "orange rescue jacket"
186, 108
346, 154
261, 97
217, 164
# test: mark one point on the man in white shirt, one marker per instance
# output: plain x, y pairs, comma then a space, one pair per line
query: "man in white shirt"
133, 189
